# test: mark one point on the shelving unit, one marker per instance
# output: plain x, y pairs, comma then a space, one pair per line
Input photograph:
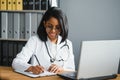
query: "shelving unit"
8, 50
16, 27
12, 43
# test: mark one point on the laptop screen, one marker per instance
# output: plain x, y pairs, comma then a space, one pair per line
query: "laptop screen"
98, 58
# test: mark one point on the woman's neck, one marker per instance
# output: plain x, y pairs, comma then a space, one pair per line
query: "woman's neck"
54, 41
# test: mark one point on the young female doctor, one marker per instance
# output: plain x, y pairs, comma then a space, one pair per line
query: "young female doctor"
49, 49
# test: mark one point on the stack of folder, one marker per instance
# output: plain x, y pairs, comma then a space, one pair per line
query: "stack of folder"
11, 4
35, 4
8, 51
20, 25
15, 25
27, 4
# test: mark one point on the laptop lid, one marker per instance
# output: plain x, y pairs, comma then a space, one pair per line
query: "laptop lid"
98, 59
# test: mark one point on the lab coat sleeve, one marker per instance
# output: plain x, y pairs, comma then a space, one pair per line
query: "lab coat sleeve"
70, 63
22, 58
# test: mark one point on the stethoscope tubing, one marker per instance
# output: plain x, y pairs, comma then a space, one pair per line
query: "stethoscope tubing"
53, 59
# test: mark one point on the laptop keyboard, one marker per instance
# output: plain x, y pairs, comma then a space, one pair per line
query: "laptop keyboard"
70, 74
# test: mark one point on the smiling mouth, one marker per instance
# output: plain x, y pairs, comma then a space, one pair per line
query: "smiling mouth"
52, 34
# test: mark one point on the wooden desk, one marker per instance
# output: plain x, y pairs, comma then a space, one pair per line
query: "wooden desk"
7, 73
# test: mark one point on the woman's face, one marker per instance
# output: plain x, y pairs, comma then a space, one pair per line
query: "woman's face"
52, 28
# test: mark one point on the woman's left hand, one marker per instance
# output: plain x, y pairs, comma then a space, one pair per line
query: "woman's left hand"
55, 68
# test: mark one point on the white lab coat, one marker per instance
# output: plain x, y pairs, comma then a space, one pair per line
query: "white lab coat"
35, 46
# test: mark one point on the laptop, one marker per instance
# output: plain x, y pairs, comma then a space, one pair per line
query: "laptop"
98, 60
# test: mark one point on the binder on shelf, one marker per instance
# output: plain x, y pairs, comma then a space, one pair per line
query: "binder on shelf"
31, 4
10, 52
3, 4
10, 25
9, 5
22, 25
19, 4
4, 53
37, 4
13, 4
25, 4
33, 23
4, 26
27, 25
16, 25
15, 47
20, 45
44, 4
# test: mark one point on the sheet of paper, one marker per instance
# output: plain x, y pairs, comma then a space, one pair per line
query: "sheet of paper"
46, 73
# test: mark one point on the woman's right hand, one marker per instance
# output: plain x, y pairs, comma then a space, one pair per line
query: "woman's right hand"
36, 69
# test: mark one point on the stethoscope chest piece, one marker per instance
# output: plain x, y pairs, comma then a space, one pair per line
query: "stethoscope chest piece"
52, 60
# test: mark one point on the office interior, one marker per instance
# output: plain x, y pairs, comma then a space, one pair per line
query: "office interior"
88, 20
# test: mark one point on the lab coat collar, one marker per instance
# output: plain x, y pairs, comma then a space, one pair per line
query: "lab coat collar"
58, 42
49, 43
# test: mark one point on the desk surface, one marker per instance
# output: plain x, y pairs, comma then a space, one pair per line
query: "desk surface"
7, 73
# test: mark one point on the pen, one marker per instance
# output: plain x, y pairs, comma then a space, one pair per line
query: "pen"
37, 60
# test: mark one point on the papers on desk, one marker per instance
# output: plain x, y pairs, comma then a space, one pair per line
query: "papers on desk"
46, 73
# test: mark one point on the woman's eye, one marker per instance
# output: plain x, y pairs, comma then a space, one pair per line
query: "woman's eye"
58, 28
50, 27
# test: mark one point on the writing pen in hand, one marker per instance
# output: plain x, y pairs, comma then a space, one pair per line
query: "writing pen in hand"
39, 63
37, 60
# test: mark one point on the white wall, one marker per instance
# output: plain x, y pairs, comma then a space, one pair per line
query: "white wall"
91, 20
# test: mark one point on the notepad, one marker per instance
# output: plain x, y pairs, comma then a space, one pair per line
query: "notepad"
45, 73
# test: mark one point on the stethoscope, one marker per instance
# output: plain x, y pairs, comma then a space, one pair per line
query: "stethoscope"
52, 60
